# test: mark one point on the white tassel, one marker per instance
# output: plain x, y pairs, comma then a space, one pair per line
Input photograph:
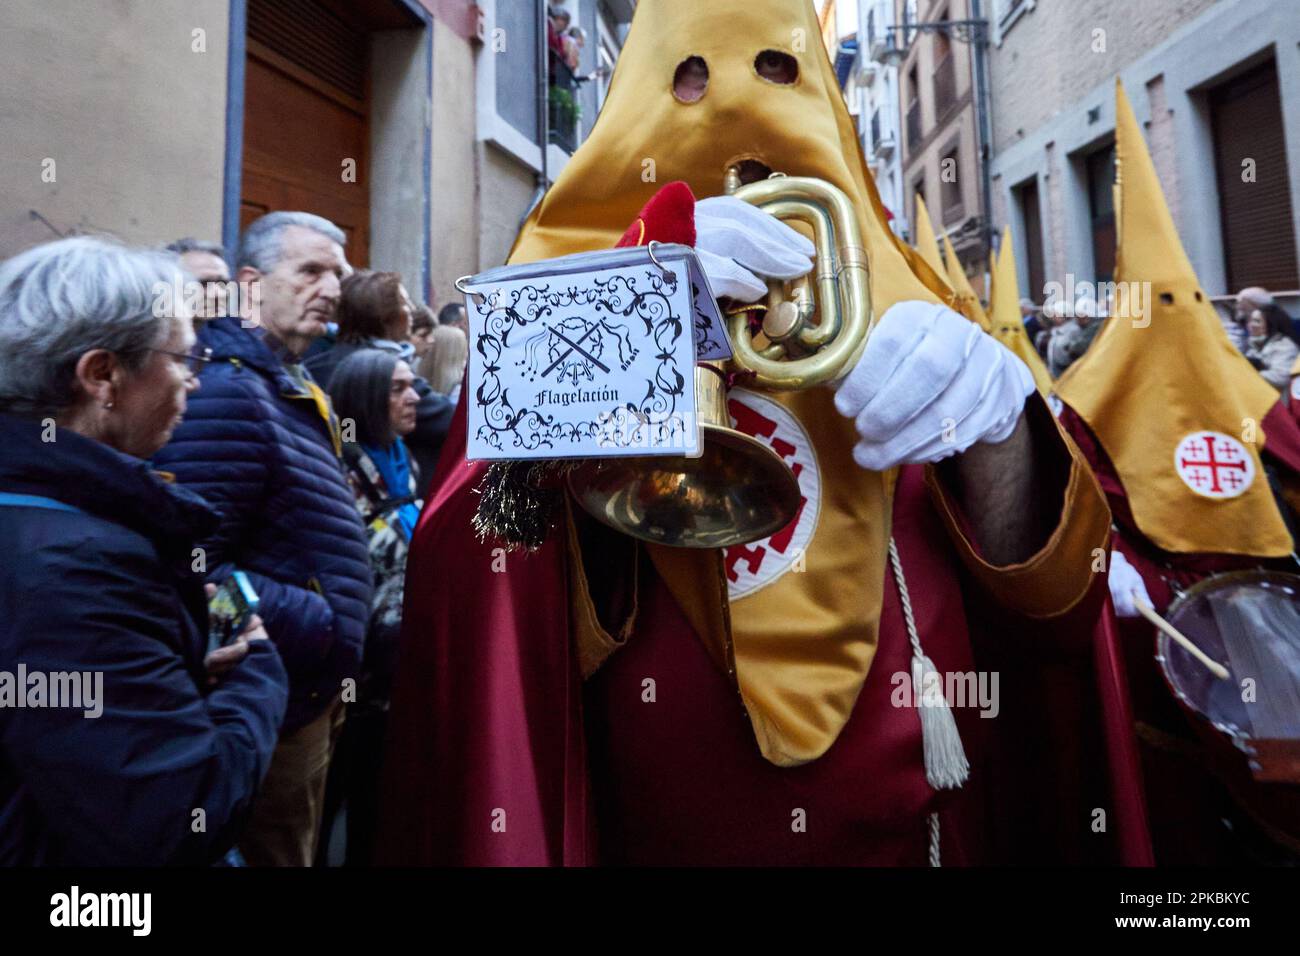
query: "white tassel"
946, 766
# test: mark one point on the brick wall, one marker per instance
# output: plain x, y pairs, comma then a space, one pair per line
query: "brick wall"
1061, 48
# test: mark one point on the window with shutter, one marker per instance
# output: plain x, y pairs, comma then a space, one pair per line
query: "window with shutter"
1254, 187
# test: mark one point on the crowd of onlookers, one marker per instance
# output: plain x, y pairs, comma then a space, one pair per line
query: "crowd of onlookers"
278, 430
1257, 326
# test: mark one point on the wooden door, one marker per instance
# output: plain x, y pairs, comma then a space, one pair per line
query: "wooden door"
306, 134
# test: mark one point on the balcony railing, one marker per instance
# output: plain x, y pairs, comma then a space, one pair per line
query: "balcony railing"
564, 108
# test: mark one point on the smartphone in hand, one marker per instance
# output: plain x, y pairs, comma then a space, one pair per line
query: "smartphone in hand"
230, 610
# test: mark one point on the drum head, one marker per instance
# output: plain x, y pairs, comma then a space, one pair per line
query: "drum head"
1249, 621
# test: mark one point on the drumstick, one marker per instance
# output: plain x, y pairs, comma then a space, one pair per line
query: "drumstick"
1148, 612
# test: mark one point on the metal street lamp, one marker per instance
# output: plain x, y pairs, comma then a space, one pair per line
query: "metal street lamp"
964, 31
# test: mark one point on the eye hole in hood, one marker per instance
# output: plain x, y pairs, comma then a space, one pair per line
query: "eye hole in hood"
691, 80
777, 67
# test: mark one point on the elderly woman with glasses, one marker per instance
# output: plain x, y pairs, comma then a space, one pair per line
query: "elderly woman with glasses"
132, 744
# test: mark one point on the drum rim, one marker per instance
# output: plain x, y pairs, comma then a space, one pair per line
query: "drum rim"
1240, 738
1207, 584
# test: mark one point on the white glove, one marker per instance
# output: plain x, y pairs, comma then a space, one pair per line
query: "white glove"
929, 385
739, 245
1124, 580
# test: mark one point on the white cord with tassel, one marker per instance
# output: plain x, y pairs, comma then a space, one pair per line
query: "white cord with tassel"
946, 766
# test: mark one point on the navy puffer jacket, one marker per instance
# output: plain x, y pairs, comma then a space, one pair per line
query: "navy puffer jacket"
95, 578
255, 445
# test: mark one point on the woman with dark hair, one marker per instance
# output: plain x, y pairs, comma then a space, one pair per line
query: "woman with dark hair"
1270, 347
374, 395
374, 312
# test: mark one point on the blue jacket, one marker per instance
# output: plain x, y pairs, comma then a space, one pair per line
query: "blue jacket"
95, 557
255, 445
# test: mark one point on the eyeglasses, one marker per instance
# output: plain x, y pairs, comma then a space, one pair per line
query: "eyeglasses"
195, 359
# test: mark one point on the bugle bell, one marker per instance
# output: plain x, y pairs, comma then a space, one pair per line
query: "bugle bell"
814, 328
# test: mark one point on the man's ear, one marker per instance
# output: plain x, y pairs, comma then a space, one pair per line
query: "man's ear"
95, 375
247, 274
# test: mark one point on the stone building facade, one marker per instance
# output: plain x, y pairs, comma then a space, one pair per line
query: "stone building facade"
939, 109
415, 124
1216, 84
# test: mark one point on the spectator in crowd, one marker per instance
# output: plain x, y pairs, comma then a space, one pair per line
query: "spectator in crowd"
375, 390
1088, 318
423, 322
206, 263
374, 311
1029, 315
574, 39
96, 581
1066, 331
1051, 318
1269, 346
261, 443
453, 313
444, 366
1248, 300
557, 21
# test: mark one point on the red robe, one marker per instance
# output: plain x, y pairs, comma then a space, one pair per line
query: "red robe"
1184, 799
498, 753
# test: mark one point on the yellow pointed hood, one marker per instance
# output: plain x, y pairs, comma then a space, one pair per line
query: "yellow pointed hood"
1175, 406
802, 642
968, 303
645, 137
1004, 314
926, 243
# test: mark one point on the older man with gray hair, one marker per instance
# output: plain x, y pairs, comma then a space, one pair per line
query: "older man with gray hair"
260, 441
206, 263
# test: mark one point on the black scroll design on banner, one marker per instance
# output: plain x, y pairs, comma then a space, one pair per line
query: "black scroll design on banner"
511, 316
705, 342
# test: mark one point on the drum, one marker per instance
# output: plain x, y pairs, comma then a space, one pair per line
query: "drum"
1249, 621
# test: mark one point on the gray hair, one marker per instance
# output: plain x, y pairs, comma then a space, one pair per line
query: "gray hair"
260, 245
1254, 295
190, 244
63, 299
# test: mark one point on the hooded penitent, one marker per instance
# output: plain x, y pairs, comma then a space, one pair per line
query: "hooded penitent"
927, 246
967, 302
1004, 315
798, 690
1177, 409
